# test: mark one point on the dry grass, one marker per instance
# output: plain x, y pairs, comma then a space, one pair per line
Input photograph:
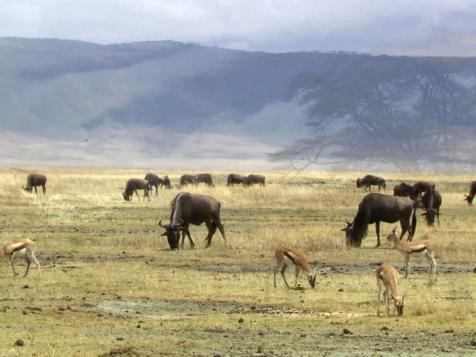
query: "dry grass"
83, 217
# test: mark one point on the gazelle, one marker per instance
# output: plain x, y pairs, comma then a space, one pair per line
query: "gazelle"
425, 247
23, 247
388, 276
286, 255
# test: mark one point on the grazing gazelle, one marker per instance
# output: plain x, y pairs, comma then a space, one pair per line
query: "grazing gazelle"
23, 247
388, 276
425, 247
286, 255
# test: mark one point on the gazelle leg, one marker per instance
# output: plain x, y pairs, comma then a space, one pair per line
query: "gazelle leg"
296, 274
35, 259
283, 270
10, 259
387, 302
378, 298
407, 266
28, 263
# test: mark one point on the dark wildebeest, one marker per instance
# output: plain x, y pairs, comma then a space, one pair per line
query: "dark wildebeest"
420, 187
235, 179
403, 190
133, 185
196, 179
431, 201
376, 207
254, 180
369, 180
33, 180
153, 181
188, 180
156, 181
472, 192
205, 178
188, 208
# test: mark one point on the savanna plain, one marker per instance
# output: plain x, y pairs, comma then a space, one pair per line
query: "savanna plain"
111, 286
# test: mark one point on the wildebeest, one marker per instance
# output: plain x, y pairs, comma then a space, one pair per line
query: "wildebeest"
420, 187
403, 190
156, 181
34, 180
376, 207
235, 179
431, 201
188, 208
196, 179
369, 180
472, 192
254, 180
133, 185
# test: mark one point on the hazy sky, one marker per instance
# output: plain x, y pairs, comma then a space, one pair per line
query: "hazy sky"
421, 27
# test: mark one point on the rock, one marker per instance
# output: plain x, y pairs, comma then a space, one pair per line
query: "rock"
340, 290
346, 331
26, 286
302, 335
450, 331
474, 270
241, 320
384, 328
473, 342
120, 339
19, 343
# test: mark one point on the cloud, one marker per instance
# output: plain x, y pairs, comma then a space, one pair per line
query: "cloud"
269, 25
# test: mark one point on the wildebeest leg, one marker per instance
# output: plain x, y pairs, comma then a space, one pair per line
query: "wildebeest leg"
377, 230
157, 190
212, 228
221, 229
138, 197
146, 193
405, 229
28, 263
44, 189
36, 192
187, 232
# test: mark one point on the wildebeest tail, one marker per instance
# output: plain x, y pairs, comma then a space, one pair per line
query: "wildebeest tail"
290, 257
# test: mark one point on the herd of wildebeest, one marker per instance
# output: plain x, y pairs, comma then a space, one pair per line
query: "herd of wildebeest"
196, 209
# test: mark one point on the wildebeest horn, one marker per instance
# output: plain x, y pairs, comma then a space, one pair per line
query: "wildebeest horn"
160, 224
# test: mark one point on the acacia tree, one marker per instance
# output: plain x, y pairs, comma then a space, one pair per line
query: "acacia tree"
423, 115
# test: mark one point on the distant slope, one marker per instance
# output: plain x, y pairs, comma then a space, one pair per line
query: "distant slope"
167, 100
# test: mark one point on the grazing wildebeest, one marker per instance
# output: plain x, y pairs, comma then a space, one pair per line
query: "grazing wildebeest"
431, 201
156, 181
196, 179
205, 178
188, 208
376, 207
33, 180
254, 180
235, 179
133, 185
472, 192
369, 180
420, 187
403, 190
188, 180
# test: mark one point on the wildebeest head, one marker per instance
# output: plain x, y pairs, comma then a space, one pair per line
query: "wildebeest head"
358, 182
27, 189
312, 280
430, 215
352, 238
469, 199
126, 196
172, 233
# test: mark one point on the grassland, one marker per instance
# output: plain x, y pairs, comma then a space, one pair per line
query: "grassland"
110, 284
